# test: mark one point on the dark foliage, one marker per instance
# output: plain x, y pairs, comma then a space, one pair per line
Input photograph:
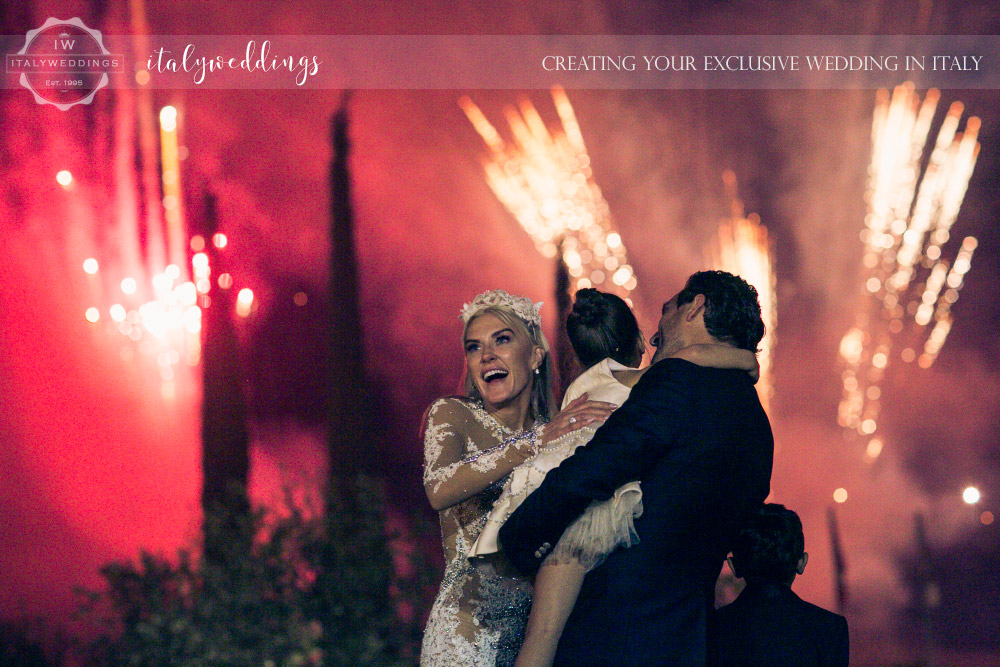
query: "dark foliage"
317, 588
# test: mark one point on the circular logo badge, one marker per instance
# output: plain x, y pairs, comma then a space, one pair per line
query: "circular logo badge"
64, 63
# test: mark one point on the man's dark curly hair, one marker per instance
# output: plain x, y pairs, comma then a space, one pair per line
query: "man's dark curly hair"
770, 545
732, 311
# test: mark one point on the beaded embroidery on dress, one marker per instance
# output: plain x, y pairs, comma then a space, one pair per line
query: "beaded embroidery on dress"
480, 613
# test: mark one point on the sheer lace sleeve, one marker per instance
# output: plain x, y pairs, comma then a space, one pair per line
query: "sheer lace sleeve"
462, 457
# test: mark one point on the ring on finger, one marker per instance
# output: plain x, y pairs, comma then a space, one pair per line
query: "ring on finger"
572, 420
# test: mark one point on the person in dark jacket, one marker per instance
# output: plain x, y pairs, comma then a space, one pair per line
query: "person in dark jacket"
768, 625
700, 444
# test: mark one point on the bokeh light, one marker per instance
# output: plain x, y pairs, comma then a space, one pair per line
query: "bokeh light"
874, 448
244, 302
90, 265
200, 262
64, 178
187, 294
840, 495
168, 118
971, 495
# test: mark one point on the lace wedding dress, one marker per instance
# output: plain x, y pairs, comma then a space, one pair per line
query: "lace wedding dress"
604, 526
479, 616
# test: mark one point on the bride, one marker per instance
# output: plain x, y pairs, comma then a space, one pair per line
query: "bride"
471, 444
607, 340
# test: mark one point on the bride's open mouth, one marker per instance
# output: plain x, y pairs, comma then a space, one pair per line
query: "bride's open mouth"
494, 375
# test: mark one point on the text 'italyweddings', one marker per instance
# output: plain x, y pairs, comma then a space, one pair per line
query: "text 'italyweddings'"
303, 67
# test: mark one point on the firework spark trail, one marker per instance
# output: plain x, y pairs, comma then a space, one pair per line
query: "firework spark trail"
162, 318
171, 179
544, 179
908, 222
741, 247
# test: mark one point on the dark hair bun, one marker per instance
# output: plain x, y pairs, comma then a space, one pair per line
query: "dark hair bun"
589, 309
601, 325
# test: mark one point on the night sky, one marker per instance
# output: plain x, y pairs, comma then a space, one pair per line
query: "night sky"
97, 464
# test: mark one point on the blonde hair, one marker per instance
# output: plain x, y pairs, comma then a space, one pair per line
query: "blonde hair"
542, 399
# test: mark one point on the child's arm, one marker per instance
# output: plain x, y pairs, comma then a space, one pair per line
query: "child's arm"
721, 356
557, 586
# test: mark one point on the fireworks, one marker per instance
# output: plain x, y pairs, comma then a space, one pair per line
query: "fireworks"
170, 167
161, 317
544, 179
741, 248
170, 320
909, 285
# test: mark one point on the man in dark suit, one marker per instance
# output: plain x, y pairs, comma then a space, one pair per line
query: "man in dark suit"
768, 625
699, 442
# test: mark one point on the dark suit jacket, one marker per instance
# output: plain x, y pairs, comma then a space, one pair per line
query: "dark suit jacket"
701, 445
770, 626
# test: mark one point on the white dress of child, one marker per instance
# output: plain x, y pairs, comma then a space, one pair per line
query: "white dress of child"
604, 526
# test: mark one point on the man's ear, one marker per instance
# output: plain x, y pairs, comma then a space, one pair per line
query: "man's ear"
695, 308
801, 567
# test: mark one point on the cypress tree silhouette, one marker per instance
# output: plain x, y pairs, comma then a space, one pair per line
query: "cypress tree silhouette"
348, 404
225, 435
567, 365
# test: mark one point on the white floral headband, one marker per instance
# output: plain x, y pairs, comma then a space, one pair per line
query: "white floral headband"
522, 306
